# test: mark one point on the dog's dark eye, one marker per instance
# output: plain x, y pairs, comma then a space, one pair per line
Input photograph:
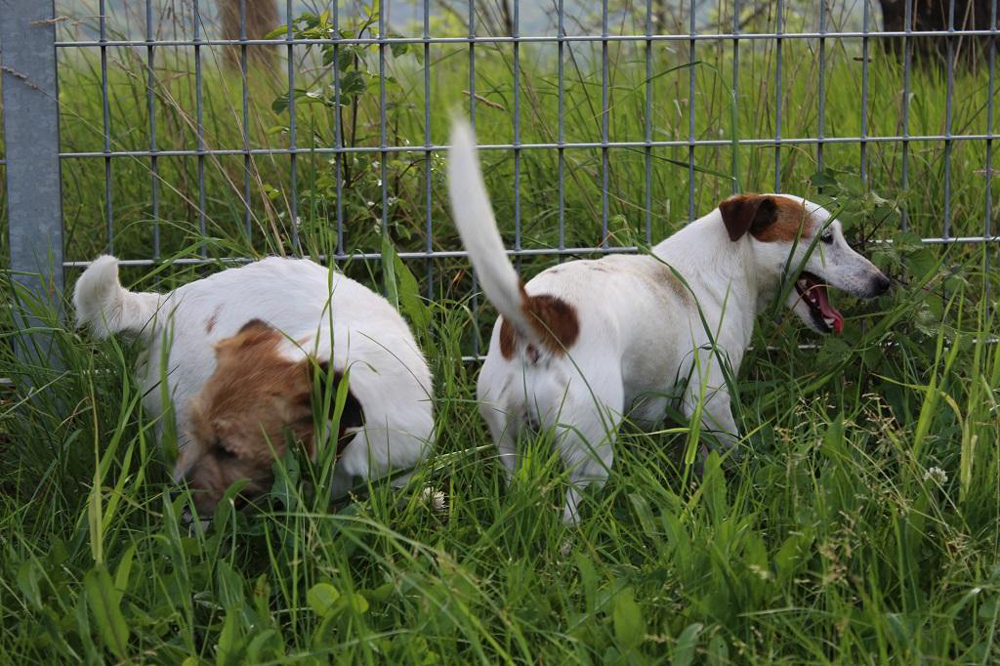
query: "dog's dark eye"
220, 451
827, 238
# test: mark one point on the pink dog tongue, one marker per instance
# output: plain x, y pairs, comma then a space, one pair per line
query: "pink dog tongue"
828, 310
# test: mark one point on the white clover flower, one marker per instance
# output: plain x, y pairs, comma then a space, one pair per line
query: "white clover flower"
937, 475
434, 499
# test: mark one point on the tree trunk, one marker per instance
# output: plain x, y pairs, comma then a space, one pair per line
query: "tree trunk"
261, 18
933, 15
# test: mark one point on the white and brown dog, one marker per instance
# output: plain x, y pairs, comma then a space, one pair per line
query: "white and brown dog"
587, 343
242, 349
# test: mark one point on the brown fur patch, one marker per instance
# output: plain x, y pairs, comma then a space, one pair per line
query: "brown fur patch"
553, 319
769, 219
508, 340
744, 213
663, 276
791, 222
256, 324
210, 324
253, 390
242, 414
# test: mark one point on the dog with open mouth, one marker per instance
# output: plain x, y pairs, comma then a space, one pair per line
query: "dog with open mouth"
586, 343
242, 352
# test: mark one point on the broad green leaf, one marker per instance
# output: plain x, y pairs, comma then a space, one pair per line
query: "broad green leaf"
389, 271
630, 627
833, 439
103, 600
409, 298
84, 630
230, 586
358, 602
264, 645
588, 576
280, 31
261, 596
123, 570
321, 597
227, 646
398, 49
643, 512
280, 104
718, 651
684, 654
27, 582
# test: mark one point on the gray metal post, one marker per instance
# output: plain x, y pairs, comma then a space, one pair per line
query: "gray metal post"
31, 128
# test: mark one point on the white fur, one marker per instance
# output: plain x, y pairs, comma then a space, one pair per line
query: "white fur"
103, 305
477, 227
388, 373
640, 332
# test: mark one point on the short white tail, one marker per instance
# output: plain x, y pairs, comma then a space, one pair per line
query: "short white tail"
105, 307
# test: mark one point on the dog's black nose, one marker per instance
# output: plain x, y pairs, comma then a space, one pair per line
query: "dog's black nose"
880, 285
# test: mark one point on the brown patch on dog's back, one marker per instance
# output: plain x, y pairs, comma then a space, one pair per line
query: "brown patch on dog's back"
553, 319
791, 221
210, 324
663, 276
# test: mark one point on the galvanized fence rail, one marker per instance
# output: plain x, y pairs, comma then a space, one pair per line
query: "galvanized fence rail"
33, 157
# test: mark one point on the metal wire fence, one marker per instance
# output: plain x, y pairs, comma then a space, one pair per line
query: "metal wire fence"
729, 29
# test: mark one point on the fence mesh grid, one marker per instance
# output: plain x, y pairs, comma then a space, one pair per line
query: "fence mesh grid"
642, 34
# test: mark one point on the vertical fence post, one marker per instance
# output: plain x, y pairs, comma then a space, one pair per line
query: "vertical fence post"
31, 129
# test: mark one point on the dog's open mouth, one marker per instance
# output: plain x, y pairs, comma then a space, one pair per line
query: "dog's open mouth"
813, 293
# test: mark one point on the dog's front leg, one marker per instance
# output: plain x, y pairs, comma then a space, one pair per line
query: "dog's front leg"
716, 414
717, 418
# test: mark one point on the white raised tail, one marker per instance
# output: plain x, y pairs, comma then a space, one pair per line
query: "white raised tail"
470, 205
106, 308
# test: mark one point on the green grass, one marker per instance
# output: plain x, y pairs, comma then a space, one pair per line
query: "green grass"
833, 542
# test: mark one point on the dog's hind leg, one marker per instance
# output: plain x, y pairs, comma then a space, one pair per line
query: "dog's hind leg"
586, 432
501, 400
503, 427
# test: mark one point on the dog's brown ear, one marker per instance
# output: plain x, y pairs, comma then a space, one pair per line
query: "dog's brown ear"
254, 325
747, 213
352, 416
254, 332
